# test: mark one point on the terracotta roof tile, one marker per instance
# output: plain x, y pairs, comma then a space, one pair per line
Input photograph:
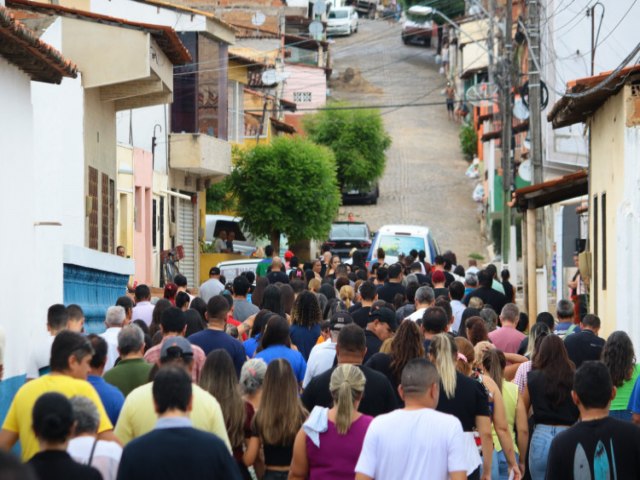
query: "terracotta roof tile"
166, 37
23, 48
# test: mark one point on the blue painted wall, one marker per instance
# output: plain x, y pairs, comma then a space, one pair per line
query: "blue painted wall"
94, 291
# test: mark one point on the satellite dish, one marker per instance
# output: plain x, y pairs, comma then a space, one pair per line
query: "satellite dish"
269, 77
316, 28
525, 171
480, 93
520, 111
258, 18
319, 7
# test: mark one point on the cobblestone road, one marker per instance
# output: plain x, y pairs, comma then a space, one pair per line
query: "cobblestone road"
424, 182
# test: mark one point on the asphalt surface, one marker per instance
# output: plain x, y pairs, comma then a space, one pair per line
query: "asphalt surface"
424, 181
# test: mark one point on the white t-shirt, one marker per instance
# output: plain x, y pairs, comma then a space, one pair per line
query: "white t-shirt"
417, 315
410, 444
110, 336
39, 357
320, 360
106, 456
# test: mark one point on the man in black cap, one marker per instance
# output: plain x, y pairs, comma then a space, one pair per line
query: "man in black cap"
382, 324
323, 355
393, 285
378, 396
213, 286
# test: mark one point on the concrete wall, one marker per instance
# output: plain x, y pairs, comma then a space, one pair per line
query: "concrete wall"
17, 216
305, 79
607, 176
566, 41
143, 220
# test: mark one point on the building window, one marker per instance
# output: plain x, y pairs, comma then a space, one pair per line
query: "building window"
603, 214
154, 220
93, 208
105, 214
302, 97
236, 111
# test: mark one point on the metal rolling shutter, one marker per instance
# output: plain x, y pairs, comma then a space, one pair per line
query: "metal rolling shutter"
187, 238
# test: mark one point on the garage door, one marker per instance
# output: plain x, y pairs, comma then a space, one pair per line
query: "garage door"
187, 238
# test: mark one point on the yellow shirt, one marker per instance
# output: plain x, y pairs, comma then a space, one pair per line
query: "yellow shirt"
19, 417
138, 415
510, 399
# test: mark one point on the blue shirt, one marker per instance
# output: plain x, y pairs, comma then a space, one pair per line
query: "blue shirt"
304, 338
294, 358
111, 397
209, 340
251, 345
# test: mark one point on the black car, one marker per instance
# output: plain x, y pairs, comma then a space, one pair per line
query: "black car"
345, 236
361, 196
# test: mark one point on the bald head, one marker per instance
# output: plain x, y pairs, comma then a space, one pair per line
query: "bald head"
276, 264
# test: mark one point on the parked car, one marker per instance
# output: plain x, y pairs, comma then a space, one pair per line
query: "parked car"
345, 236
366, 8
361, 196
418, 26
399, 240
232, 268
342, 21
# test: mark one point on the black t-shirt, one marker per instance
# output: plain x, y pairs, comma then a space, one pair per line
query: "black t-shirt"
378, 396
469, 401
489, 296
422, 278
582, 346
389, 290
440, 292
604, 448
275, 277
373, 345
508, 290
361, 316
53, 464
381, 362
544, 412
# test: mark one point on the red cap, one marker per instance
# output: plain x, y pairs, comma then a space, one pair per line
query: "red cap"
288, 255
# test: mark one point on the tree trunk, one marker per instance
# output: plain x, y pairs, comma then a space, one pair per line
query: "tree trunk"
275, 242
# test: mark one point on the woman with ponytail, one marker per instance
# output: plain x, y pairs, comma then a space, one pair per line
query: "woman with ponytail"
52, 419
467, 400
329, 443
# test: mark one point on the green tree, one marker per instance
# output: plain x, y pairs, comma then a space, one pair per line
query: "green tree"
286, 187
358, 140
219, 197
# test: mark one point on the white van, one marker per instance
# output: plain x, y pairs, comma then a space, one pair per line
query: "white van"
399, 240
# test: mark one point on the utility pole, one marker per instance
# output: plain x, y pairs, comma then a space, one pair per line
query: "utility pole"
506, 131
535, 119
490, 47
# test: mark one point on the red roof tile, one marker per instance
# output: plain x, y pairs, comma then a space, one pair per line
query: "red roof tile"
166, 37
24, 49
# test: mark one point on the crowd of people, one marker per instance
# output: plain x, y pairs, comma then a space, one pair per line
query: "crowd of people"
328, 370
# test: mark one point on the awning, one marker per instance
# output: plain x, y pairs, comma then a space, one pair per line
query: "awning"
282, 126
553, 191
568, 111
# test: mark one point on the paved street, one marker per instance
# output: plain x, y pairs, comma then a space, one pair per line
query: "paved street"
424, 182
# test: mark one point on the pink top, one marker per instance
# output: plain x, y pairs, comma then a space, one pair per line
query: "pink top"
521, 375
337, 455
507, 339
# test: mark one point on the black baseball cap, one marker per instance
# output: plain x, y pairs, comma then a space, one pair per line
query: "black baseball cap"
383, 314
339, 320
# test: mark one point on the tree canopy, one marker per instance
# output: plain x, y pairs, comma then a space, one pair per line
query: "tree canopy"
286, 187
358, 140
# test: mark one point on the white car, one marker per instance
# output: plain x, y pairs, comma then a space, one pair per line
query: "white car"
342, 21
399, 240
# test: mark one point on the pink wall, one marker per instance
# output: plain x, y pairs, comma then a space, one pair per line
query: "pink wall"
143, 188
303, 78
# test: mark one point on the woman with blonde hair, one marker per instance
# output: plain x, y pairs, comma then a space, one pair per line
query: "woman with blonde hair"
346, 297
329, 443
276, 422
467, 400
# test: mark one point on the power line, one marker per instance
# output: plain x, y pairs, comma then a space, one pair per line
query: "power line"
364, 107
